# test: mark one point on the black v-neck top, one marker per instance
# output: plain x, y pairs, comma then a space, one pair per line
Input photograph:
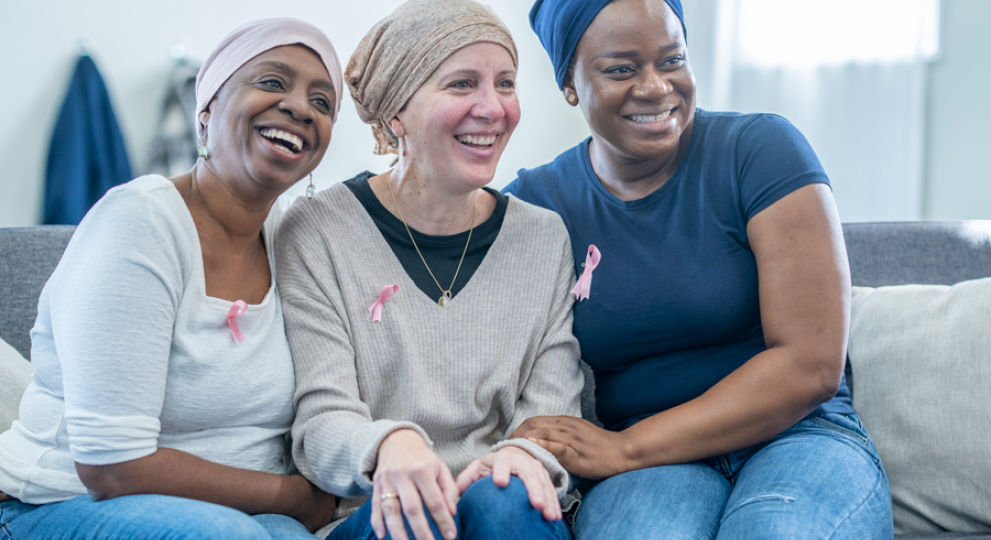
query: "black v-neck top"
442, 253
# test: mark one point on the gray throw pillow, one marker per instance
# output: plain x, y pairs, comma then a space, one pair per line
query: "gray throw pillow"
15, 375
921, 358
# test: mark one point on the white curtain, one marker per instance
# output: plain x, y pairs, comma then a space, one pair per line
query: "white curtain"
850, 74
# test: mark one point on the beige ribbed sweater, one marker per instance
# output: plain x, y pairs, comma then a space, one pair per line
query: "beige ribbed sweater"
464, 376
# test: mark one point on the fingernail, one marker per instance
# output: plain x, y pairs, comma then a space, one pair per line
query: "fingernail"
450, 534
531, 439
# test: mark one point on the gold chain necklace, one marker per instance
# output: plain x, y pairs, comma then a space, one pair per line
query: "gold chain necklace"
445, 296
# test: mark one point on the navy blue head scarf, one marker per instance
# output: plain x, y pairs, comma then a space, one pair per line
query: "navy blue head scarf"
560, 24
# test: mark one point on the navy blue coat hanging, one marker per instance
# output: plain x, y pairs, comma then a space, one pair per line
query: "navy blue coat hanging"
87, 155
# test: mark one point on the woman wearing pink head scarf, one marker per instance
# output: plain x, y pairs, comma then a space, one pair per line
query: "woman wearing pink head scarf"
163, 384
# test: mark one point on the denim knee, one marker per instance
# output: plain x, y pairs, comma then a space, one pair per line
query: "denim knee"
135, 516
176, 518
489, 511
281, 527
682, 502
485, 500
359, 526
820, 478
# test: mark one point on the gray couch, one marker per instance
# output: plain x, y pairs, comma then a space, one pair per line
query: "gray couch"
880, 254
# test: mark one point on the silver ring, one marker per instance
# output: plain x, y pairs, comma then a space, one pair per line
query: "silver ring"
386, 496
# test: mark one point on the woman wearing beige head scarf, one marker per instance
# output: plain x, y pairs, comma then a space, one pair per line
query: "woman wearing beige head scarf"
428, 315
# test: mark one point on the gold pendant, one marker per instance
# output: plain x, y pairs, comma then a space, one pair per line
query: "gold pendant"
444, 299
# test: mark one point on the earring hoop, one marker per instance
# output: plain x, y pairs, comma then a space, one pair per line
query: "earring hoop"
310, 189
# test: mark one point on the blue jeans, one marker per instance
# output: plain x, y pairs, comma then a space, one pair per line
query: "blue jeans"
821, 478
149, 517
485, 512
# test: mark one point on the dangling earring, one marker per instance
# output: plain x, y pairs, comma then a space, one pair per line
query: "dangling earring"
310, 189
201, 149
396, 161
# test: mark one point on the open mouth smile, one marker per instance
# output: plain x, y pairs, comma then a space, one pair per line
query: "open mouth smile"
286, 142
649, 118
483, 141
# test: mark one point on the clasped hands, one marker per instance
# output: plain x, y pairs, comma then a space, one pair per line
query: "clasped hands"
411, 480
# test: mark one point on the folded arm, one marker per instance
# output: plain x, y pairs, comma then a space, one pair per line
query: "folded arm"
180, 474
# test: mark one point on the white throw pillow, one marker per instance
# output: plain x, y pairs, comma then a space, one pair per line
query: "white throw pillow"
921, 358
15, 375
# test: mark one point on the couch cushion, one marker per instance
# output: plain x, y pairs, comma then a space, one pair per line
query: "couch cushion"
28, 256
15, 374
932, 252
921, 356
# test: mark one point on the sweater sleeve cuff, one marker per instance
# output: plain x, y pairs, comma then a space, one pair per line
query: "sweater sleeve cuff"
559, 476
369, 455
104, 440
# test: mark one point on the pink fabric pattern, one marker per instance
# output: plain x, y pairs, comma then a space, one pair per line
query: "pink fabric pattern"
584, 284
376, 308
236, 310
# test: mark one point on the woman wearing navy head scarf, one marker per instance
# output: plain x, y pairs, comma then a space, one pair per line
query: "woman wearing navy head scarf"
717, 318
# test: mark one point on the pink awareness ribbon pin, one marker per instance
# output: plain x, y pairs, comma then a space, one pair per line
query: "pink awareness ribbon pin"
236, 310
585, 282
376, 308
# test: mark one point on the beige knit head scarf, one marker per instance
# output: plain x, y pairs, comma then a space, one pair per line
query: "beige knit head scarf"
404, 49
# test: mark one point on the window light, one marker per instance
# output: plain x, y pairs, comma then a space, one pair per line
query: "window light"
812, 33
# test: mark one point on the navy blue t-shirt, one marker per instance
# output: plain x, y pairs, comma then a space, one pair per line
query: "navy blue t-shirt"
674, 305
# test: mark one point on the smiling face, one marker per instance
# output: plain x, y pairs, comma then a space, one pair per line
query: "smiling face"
456, 126
633, 80
271, 121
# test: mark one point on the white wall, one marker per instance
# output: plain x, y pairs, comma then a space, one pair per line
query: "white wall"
958, 183
130, 43
131, 40
956, 179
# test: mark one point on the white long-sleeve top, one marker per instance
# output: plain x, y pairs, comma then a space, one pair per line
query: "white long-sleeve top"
465, 376
129, 354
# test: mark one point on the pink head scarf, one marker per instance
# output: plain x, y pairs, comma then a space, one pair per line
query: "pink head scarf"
254, 38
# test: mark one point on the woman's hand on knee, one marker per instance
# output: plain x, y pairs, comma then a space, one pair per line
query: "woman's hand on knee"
409, 476
513, 461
